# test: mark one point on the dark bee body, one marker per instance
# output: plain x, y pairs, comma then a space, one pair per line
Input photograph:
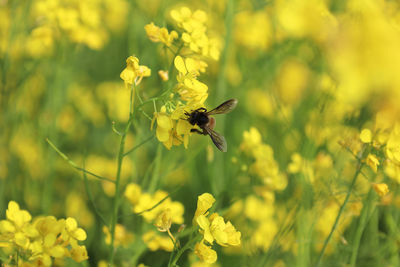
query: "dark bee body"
200, 117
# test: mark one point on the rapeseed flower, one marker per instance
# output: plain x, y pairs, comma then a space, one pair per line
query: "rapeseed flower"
380, 188
205, 252
122, 236
372, 161
145, 204
133, 73
213, 228
155, 242
366, 136
43, 240
194, 34
157, 34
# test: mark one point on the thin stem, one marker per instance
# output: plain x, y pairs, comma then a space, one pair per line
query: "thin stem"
360, 228
73, 164
156, 172
90, 196
138, 145
159, 202
358, 170
183, 249
118, 177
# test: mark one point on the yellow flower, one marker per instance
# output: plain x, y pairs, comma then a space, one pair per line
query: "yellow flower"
147, 201
194, 35
251, 139
165, 128
155, 242
133, 193
157, 34
79, 253
17, 216
253, 30
381, 189
205, 253
393, 171
122, 236
43, 240
204, 203
189, 88
163, 221
133, 73
204, 224
393, 145
17, 228
373, 162
216, 229
163, 75
366, 136
73, 233
173, 128
47, 247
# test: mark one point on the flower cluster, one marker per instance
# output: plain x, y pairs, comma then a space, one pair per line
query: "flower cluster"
122, 236
42, 240
213, 228
134, 73
189, 93
145, 204
81, 21
155, 208
264, 165
194, 35
260, 212
160, 35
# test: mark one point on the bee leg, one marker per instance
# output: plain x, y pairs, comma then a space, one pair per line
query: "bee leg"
198, 131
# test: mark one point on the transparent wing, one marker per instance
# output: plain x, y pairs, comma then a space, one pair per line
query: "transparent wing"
225, 107
218, 140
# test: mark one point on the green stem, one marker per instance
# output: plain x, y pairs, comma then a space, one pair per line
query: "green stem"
183, 249
358, 170
73, 164
156, 173
139, 145
118, 177
360, 228
90, 196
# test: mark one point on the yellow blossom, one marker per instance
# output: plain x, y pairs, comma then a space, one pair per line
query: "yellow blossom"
163, 221
148, 201
163, 75
194, 35
372, 161
155, 242
204, 203
122, 236
393, 145
73, 233
381, 189
216, 229
133, 73
157, 34
133, 193
366, 136
205, 253
79, 253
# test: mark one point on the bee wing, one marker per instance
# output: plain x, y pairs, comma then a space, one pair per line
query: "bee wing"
225, 107
218, 140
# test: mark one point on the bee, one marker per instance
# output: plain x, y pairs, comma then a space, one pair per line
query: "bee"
201, 117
